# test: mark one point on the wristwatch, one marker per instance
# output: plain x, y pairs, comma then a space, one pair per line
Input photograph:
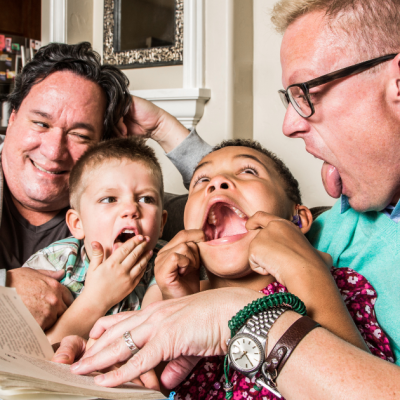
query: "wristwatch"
246, 350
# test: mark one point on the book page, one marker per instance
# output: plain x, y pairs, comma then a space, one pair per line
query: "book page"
22, 371
19, 331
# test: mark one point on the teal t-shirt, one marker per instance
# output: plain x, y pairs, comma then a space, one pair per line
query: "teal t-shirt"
368, 243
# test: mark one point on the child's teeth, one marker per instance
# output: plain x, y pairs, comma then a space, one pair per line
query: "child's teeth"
238, 212
128, 231
212, 219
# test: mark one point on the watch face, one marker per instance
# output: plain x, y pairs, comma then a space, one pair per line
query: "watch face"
246, 353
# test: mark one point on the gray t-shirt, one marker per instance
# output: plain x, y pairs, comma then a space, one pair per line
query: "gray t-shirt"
19, 239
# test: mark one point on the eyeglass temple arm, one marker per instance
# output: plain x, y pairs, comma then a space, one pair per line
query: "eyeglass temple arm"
348, 71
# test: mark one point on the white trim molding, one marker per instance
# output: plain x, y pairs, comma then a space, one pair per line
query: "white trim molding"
54, 21
193, 44
186, 104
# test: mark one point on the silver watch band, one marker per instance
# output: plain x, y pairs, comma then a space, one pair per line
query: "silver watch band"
260, 324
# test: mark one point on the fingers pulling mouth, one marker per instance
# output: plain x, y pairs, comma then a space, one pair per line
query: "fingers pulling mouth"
224, 220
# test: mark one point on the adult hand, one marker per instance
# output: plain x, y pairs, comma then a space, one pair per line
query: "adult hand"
147, 120
42, 294
180, 330
281, 249
177, 265
72, 348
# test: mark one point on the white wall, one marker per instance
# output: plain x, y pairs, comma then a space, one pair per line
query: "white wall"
79, 21
269, 111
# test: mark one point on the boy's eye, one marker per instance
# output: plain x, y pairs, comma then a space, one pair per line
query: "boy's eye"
147, 200
107, 200
249, 170
201, 179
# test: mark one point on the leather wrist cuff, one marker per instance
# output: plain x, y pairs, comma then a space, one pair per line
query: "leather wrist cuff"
286, 344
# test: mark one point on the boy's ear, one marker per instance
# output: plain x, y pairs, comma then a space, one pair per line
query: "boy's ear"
164, 218
75, 224
305, 217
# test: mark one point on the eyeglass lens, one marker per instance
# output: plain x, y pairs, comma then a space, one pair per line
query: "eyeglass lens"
299, 101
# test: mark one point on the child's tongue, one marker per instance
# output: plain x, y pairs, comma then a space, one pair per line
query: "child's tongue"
226, 223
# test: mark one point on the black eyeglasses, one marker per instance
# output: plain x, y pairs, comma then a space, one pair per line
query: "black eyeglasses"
299, 96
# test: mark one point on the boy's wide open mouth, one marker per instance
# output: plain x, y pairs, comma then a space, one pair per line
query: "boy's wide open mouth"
124, 235
224, 220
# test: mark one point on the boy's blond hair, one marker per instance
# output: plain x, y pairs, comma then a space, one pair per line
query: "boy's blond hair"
133, 149
370, 26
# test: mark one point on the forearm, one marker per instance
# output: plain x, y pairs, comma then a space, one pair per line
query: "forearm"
187, 155
325, 367
152, 295
318, 290
77, 320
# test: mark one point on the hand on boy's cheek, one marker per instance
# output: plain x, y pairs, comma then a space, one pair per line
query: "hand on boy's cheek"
279, 248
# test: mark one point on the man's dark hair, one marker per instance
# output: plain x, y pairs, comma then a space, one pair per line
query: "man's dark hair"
290, 182
82, 60
132, 149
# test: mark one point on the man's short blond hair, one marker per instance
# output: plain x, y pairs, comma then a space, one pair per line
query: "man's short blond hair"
371, 26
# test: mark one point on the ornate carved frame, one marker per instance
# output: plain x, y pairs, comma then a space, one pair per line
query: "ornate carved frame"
157, 56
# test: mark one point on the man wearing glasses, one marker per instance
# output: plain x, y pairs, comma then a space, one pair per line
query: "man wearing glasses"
341, 71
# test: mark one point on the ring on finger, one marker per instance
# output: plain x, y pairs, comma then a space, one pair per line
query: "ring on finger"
130, 343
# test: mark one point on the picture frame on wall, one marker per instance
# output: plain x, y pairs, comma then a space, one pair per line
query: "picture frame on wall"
143, 33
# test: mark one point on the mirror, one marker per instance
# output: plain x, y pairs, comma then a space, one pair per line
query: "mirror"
143, 33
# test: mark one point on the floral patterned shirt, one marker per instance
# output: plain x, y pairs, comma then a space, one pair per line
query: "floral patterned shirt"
207, 378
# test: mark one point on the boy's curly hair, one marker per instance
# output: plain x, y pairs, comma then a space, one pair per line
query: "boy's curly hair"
290, 182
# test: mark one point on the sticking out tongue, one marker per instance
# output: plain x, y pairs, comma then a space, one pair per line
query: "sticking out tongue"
331, 180
224, 220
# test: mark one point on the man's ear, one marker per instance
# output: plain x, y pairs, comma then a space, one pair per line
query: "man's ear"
164, 218
75, 224
306, 218
393, 90
12, 118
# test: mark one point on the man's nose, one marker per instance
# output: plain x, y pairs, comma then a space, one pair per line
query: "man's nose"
54, 145
219, 182
294, 125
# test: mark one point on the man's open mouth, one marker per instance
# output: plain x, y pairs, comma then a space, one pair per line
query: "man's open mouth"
48, 172
224, 220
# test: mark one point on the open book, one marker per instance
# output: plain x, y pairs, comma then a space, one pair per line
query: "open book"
27, 373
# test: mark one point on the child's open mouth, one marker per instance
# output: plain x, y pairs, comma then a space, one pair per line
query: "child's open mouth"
224, 220
123, 236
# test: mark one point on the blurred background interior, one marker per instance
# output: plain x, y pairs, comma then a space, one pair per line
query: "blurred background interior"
220, 71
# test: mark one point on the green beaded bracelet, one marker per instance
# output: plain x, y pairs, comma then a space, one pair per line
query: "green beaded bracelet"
264, 303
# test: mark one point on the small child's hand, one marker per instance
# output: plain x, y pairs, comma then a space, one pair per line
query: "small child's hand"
109, 281
177, 265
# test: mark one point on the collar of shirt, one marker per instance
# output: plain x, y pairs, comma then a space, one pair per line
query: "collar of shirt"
392, 212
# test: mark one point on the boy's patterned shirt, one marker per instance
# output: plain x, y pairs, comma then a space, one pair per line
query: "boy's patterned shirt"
70, 255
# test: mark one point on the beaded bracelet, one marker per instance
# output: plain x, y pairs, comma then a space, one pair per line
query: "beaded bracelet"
259, 305
264, 303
